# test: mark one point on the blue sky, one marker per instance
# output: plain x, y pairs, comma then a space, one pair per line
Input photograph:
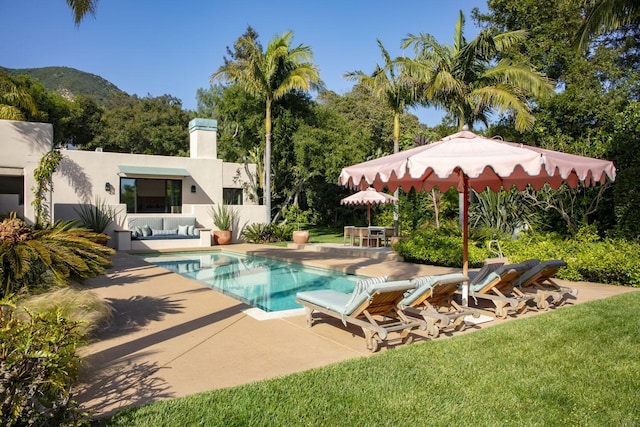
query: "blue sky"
151, 47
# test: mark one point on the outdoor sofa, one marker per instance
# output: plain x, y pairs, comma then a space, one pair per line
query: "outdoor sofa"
151, 232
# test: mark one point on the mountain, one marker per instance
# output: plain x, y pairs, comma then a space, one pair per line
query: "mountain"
69, 82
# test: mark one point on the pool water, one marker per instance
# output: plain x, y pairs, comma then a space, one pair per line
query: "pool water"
268, 284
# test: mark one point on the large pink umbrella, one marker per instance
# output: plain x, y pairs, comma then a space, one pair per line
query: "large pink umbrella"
466, 160
368, 197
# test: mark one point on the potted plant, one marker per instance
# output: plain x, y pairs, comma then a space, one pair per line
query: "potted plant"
224, 217
300, 237
96, 217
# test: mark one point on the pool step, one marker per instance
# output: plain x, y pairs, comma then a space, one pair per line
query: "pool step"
383, 254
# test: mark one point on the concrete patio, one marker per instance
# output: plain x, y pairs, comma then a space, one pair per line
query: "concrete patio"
172, 337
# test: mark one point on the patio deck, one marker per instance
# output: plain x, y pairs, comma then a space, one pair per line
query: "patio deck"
172, 337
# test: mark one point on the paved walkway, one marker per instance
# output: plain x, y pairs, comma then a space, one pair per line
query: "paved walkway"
172, 337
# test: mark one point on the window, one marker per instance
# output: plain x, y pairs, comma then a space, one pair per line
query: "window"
232, 196
143, 195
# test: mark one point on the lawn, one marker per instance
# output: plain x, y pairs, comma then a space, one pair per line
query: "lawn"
572, 366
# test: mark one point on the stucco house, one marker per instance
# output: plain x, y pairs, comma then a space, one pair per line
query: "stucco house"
137, 186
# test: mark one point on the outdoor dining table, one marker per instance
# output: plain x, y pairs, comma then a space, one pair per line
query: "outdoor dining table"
367, 236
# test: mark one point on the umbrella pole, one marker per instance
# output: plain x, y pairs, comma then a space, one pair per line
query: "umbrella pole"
465, 238
369, 213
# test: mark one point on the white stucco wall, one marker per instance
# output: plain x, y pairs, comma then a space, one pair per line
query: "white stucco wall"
82, 175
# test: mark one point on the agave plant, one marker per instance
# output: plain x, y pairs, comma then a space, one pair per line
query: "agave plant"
96, 217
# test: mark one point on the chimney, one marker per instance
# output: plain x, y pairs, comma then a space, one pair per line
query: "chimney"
203, 139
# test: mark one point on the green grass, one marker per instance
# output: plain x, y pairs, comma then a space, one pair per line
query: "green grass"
325, 235
574, 366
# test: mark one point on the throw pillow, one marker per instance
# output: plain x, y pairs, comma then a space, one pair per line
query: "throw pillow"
190, 229
146, 230
183, 230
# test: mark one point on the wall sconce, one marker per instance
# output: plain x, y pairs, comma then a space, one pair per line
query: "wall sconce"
193, 188
107, 187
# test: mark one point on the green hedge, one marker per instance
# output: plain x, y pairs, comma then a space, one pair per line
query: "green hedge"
438, 247
611, 261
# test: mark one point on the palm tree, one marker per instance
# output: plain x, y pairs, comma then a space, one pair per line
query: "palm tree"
469, 82
269, 75
604, 16
82, 8
391, 84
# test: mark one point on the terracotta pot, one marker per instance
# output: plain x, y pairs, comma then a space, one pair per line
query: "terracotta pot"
222, 237
300, 237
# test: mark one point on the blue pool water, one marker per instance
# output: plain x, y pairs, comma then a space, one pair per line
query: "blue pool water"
268, 284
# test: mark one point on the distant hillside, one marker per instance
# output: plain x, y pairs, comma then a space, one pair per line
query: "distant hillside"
69, 82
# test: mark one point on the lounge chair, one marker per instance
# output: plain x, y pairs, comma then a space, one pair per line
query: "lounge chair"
497, 285
373, 306
432, 300
539, 280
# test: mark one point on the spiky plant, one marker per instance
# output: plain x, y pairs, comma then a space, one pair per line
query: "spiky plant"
33, 260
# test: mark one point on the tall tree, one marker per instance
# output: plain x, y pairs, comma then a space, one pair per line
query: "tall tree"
392, 84
269, 75
470, 79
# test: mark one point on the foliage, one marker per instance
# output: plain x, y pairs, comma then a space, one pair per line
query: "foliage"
224, 217
269, 75
70, 82
594, 346
14, 99
469, 79
625, 146
393, 85
591, 113
502, 212
32, 260
260, 232
89, 311
611, 261
293, 214
96, 217
43, 175
439, 246
150, 125
38, 366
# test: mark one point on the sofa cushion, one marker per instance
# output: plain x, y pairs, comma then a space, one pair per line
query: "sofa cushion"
170, 232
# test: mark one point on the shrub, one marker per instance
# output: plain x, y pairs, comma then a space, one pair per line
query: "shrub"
38, 365
37, 259
611, 261
96, 217
439, 246
267, 233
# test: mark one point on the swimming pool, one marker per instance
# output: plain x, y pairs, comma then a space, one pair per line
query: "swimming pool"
268, 284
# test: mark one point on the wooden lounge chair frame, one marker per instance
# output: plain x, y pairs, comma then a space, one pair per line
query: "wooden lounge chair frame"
377, 315
539, 280
500, 290
435, 304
